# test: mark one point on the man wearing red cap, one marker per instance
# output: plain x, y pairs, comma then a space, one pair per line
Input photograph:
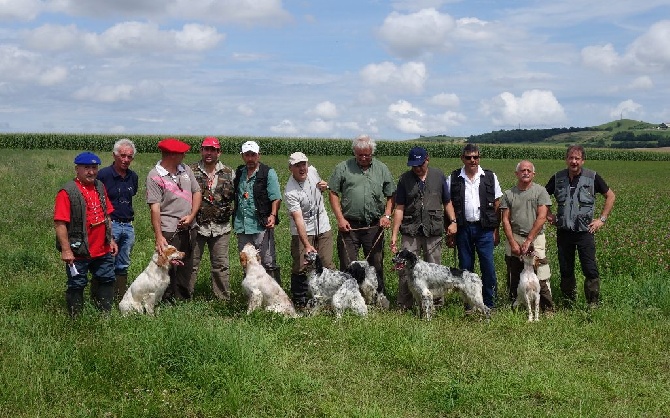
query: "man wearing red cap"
84, 235
216, 182
174, 196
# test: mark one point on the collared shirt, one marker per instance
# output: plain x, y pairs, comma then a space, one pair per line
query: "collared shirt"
363, 193
121, 190
471, 210
214, 229
246, 218
307, 198
173, 192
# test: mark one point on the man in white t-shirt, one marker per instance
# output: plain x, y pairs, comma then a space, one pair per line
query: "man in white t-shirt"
309, 223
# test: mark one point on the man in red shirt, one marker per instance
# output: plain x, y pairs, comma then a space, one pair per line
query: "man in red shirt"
84, 235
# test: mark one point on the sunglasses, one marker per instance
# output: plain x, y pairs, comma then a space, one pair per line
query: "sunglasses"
471, 157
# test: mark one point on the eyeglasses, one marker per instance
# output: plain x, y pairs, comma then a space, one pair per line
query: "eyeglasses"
364, 155
471, 157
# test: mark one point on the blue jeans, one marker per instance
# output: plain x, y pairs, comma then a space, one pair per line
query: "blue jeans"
101, 268
470, 238
124, 235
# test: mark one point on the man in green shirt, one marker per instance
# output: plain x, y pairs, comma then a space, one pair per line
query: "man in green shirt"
524, 211
361, 196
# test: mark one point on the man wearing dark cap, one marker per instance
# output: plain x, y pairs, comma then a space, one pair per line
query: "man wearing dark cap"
174, 196
84, 236
257, 200
216, 182
422, 207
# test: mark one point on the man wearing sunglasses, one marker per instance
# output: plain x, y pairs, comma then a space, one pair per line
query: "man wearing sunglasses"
475, 194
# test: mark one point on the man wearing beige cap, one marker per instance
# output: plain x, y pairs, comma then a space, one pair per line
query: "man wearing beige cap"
309, 223
257, 197
174, 196
216, 183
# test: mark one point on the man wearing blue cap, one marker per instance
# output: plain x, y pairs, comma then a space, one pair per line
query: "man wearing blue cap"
84, 235
422, 206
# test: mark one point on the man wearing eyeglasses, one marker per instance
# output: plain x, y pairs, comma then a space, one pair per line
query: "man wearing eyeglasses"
475, 194
174, 197
121, 184
361, 197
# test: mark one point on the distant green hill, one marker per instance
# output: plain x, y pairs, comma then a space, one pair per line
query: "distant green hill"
623, 133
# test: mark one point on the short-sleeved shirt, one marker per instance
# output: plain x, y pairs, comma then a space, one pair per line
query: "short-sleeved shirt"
246, 218
307, 198
121, 190
523, 205
95, 226
401, 193
174, 193
363, 193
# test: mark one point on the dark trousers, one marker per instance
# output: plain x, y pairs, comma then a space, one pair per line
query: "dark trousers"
585, 245
180, 275
371, 239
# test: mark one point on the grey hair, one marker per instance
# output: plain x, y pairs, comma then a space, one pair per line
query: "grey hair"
124, 142
532, 166
364, 142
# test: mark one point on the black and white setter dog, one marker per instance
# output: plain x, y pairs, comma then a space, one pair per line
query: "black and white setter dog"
333, 288
428, 281
366, 277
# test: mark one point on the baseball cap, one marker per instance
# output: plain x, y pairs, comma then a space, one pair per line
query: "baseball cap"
250, 146
211, 141
417, 156
297, 157
173, 145
87, 158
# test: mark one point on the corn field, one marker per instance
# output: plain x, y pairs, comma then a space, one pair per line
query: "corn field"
313, 146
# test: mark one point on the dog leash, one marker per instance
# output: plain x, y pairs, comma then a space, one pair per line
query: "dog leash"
379, 236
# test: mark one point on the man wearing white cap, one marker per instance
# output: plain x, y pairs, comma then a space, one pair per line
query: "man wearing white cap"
257, 197
310, 226
216, 208
84, 235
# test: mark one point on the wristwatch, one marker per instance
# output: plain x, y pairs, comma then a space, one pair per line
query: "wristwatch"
603, 219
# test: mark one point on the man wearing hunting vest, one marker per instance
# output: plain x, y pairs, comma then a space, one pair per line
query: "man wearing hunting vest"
423, 211
257, 200
475, 194
575, 191
216, 208
84, 236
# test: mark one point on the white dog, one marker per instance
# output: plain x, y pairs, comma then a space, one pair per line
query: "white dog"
148, 288
261, 289
428, 281
528, 291
333, 287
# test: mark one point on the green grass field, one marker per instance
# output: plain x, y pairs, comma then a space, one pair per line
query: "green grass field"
205, 358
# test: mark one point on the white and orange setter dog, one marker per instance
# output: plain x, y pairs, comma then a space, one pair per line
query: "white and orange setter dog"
261, 289
148, 288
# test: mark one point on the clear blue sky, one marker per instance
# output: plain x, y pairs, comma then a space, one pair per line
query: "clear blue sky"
391, 69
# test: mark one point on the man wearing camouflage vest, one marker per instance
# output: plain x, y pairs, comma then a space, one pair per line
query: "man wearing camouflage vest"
216, 182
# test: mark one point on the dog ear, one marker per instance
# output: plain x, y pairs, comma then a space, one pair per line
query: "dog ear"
163, 259
243, 259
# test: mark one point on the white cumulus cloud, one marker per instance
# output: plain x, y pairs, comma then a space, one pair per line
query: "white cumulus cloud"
325, 110
118, 92
411, 35
532, 108
285, 127
627, 109
450, 100
409, 77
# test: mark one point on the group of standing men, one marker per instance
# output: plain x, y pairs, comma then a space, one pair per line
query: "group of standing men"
200, 205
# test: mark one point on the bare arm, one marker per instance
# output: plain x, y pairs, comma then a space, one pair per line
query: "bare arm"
384, 222
397, 219
61, 235
452, 228
537, 227
271, 221
334, 200
161, 242
596, 224
302, 231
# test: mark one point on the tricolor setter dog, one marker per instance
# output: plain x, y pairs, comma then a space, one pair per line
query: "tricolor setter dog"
428, 281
